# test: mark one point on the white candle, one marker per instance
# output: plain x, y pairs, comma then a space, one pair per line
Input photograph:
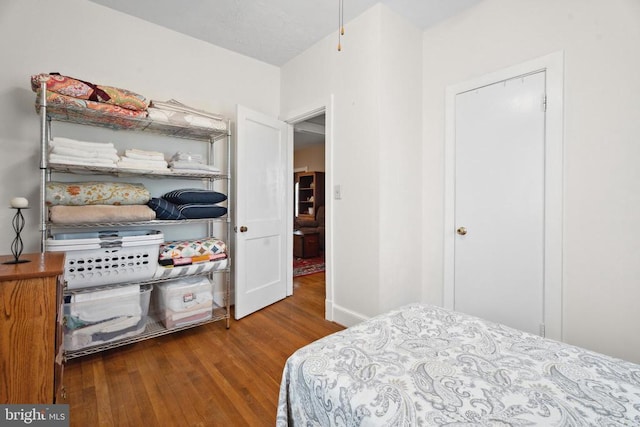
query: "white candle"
19, 202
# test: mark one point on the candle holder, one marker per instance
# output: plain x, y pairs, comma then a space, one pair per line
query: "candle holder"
17, 245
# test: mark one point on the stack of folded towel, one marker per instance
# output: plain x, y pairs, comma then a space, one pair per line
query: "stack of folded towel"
73, 152
187, 162
141, 159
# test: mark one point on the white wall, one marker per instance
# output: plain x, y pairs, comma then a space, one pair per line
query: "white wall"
370, 158
400, 161
602, 123
310, 157
94, 43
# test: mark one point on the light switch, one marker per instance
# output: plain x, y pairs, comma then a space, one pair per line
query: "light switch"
337, 192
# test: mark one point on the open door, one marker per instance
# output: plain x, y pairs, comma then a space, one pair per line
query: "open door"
261, 228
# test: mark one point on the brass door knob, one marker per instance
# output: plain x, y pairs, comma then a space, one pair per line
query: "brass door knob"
243, 229
461, 231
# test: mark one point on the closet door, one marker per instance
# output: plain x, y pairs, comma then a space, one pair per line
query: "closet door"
499, 202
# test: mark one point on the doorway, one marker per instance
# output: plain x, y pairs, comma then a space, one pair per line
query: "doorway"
309, 207
461, 263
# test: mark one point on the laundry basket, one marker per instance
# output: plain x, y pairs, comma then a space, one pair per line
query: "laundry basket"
107, 257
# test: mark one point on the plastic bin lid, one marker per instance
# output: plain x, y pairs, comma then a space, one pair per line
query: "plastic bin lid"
98, 239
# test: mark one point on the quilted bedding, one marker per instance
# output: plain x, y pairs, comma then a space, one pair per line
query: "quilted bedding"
426, 366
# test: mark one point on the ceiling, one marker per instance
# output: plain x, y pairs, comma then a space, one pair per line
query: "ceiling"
273, 31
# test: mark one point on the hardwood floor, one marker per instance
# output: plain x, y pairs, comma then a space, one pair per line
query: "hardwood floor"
205, 376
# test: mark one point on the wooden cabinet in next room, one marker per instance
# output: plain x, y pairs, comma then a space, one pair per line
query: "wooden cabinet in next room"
309, 194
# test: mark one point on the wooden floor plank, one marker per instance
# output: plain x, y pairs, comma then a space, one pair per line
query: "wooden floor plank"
204, 376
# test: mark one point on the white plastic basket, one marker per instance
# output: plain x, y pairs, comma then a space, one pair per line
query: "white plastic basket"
107, 257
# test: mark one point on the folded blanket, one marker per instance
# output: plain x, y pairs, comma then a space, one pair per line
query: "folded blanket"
185, 119
95, 193
191, 248
179, 262
172, 320
106, 304
194, 195
100, 214
186, 270
54, 98
110, 330
193, 167
79, 89
201, 210
165, 210
173, 105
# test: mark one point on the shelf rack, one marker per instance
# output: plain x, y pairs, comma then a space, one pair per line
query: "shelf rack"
82, 116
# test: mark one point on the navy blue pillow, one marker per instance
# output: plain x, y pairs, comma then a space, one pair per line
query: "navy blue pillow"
199, 210
194, 195
165, 209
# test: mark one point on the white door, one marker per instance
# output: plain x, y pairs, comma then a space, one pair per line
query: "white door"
499, 202
260, 215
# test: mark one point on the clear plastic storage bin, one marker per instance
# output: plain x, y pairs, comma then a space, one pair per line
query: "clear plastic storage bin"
99, 317
184, 301
107, 257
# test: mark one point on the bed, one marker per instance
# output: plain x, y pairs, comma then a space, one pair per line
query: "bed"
422, 365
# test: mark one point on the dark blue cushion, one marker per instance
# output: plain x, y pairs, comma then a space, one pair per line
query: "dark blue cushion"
165, 209
199, 210
194, 195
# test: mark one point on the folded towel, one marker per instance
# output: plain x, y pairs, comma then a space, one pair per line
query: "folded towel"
71, 160
126, 162
82, 145
144, 155
193, 166
85, 154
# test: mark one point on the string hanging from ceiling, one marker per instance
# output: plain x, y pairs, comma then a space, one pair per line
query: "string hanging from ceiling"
340, 23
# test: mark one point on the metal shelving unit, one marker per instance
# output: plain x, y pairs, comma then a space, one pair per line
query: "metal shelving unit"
53, 113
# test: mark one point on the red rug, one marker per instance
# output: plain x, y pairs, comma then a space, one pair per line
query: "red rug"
304, 266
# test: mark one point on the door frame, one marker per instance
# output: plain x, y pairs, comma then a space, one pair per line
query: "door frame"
553, 65
296, 116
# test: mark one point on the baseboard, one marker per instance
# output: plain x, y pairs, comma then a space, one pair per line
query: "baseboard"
344, 317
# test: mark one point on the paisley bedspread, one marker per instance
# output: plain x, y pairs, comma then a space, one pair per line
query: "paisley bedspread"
426, 366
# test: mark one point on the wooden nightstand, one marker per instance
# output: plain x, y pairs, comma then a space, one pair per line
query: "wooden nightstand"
306, 245
30, 335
